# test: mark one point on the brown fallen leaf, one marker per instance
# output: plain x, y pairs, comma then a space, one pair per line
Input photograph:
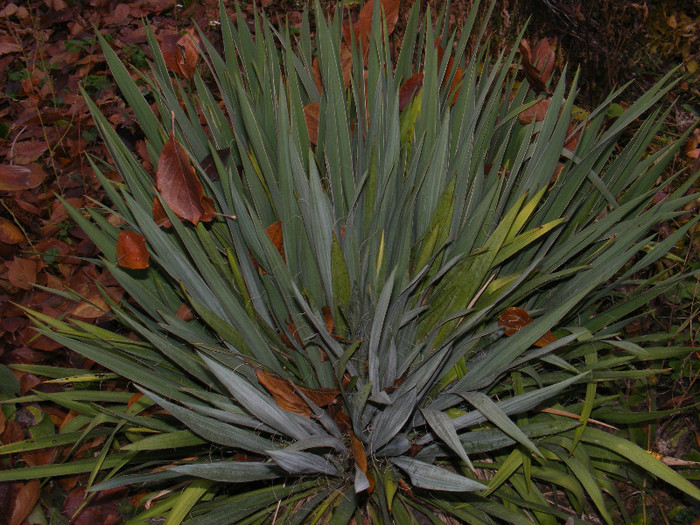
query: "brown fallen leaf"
25, 500
131, 251
537, 65
537, 112
311, 112
408, 89
16, 178
360, 456
513, 319
178, 183
9, 233
22, 272
286, 394
363, 26
459, 73
180, 52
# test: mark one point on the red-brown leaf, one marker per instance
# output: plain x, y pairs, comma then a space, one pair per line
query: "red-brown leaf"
274, 232
459, 73
177, 182
209, 208
408, 89
15, 178
311, 112
188, 45
9, 233
286, 397
22, 272
131, 251
159, 216
180, 52
538, 66
513, 319
360, 456
328, 318
292, 329
25, 500
364, 20
536, 112
184, 312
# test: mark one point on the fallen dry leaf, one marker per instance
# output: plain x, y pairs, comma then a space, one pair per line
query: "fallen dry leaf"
16, 178
131, 251
9, 233
360, 456
537, 112
25, 500
22, 272
513, 319
287, 396
177, 182
311, 112
538, 65
459, 73
408, 89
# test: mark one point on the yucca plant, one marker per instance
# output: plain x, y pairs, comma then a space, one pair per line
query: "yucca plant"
369, 289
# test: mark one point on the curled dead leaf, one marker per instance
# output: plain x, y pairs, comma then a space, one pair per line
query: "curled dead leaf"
9, 233
537, 65
363, 26
408, 89
181, 52
360, 456
16, 178
514, 319
22, 272
537, 112
311, 112
287, 395
178, 183
459, 73
131, 251
25, 500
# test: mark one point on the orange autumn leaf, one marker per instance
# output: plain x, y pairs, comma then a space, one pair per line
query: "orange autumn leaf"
408, 89
285, 394
292, 329
133, 399
9, 233
274, 232
360, 456
692, 147
181, 52
16, 178
184, 312
177, 182
459, 73
131, 251
209, 209
159, 216
363, 26
538, 64
25, 500
537, 112
328, 318
22, 273
311, 112
188, 46
513, 319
